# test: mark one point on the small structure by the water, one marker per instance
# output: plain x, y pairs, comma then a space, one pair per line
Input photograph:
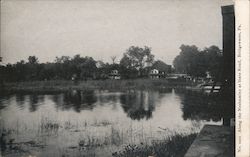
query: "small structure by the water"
156, 74
178, 76
211, 87
114, 74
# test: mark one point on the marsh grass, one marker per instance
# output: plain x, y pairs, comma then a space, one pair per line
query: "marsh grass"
115, 139
175, 146
48, 126
101, 123
11, 145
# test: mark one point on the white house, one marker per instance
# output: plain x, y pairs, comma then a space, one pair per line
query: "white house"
114, 74
155, 74
154, 71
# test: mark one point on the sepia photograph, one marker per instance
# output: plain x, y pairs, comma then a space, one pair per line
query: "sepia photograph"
118, 78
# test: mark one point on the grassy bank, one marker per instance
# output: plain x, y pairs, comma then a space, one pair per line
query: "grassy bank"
175, 146
60, 85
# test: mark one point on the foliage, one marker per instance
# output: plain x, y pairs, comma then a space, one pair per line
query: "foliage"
161, 66
33, 60
63, 68
136, 62
197, 63
136, 58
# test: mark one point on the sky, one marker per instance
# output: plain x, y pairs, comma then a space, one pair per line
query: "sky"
105, 28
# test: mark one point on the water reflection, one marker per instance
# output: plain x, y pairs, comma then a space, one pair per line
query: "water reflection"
110, 97
165, 90
197, 106
20, 100
76, 119
139, 104
3, 97
78, 100
2, 105
35, 101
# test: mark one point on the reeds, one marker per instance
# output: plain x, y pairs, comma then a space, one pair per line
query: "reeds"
175, 146
114, 139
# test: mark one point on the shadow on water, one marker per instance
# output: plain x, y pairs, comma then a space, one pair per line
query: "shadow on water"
165, 90
109, 98
2, 105
4, 97
139, 104
20, 100
198, 106
77, 100
35, 101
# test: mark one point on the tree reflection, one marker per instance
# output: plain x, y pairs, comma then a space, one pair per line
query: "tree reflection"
197, 106
2, 105
34, 100
165, 90
20, 100
138, 104
78, 100
3, 97
108, 98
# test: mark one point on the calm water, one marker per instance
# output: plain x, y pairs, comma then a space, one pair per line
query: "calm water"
94, 123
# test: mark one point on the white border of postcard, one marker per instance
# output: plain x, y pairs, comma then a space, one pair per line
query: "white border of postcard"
242, 106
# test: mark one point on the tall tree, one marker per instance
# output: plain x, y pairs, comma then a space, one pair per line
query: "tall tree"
33, 60
137, 58
214, 62
62, 59
185, 61
197, 63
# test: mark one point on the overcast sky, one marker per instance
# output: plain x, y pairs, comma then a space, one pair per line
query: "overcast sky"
100, 29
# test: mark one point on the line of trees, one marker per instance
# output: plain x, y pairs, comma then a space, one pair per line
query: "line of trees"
135, 63
197, 63
132, 65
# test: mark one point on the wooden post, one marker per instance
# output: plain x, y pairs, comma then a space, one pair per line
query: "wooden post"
228, 87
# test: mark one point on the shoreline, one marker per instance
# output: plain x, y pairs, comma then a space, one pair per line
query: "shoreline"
64, 86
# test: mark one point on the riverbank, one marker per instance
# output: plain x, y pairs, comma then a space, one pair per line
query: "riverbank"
61, 85
213, 141
174, 146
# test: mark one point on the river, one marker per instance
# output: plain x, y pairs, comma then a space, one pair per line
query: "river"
98, 122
